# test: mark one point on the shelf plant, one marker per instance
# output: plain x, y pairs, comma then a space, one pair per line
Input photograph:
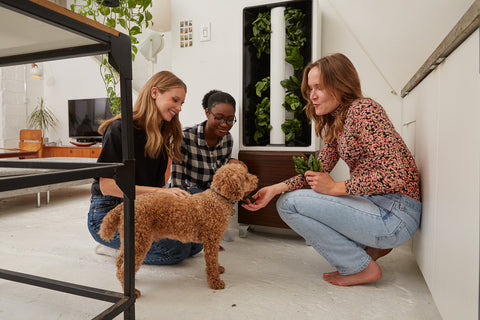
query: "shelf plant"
131, 15
42, 117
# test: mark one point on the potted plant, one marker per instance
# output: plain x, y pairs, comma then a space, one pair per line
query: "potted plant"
42, 118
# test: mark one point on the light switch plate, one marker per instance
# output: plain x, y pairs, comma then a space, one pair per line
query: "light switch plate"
205, 32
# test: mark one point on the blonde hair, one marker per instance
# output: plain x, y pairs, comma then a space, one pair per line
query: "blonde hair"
165, 137
340, 79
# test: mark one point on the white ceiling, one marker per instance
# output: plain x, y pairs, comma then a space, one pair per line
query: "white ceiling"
21, 34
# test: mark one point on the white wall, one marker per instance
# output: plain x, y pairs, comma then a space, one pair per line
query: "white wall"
15, 82
446, 106
69, 79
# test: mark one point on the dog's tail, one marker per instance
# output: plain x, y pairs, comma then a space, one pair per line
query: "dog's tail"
110, 223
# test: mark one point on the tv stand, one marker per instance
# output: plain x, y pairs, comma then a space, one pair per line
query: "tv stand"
67, 151
91, 139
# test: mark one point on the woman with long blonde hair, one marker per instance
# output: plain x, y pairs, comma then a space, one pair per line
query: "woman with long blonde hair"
157, 137
354, 222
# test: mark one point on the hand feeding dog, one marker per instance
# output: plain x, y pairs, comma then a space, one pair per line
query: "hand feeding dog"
202, 218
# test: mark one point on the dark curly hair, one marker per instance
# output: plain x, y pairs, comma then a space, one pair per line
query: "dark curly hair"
214, 97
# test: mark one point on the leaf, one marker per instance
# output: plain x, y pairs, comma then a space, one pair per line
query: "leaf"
132, 4
111, 23
140, 18
292, 104
148, 16
134, 30
123, 23
292, 84
294, 58
262, 86
105, 11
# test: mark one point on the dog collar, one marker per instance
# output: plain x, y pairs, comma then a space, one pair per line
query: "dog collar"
229, 200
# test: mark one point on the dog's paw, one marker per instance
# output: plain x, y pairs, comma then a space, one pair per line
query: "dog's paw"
137, 293
217, 284
221, 269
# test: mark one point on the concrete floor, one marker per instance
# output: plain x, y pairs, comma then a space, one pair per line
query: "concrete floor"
269, 274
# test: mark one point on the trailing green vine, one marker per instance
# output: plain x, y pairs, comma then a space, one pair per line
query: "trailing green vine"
131, 15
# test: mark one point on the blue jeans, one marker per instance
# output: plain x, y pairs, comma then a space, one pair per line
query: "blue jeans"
340, 227
162, 252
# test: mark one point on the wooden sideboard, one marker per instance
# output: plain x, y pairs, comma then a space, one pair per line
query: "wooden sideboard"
270, 167
67, 151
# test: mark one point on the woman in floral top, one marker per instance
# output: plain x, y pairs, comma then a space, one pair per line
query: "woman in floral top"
354, 222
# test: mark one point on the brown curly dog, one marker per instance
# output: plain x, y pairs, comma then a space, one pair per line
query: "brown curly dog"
202, 218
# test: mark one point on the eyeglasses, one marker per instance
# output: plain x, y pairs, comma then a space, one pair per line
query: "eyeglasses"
221, 120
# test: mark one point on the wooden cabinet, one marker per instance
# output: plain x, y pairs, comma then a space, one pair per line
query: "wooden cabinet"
270, 167
80, 152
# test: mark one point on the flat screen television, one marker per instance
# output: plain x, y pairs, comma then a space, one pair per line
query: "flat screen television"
85, 116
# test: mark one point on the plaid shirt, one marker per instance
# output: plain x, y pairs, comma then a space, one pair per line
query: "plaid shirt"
199, 160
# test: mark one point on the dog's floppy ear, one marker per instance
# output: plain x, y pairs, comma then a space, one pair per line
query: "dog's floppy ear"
230, 181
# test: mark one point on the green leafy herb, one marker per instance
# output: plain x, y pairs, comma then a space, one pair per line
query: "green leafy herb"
261, 33
292, 128
291, 85
262, 119
262, 86
302, 165
248, 197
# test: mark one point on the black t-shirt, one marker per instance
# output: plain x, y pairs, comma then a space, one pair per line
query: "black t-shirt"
148, 172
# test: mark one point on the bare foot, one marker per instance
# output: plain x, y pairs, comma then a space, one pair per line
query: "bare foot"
376, 253
330, 274
370, 274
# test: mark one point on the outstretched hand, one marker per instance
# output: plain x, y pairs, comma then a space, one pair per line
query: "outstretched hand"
263, 196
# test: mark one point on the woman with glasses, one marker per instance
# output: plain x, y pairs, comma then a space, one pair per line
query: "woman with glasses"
157, 136
206, 146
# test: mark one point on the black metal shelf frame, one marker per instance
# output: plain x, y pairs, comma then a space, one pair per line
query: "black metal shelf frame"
118, 47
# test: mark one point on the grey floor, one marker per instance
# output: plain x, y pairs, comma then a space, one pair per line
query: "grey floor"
269, 274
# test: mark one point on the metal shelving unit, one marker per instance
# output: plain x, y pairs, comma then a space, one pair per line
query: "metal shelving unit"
39, 30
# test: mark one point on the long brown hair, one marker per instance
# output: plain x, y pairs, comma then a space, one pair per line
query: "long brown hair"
165, 137
339, 77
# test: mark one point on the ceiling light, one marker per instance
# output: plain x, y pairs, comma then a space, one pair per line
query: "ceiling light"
36, 72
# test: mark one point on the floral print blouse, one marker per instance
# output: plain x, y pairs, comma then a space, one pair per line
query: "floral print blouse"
378, 159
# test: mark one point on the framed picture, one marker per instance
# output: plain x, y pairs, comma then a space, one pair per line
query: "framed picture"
186, 33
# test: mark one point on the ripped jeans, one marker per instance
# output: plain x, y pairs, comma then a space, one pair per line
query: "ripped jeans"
340, 227
162, 252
